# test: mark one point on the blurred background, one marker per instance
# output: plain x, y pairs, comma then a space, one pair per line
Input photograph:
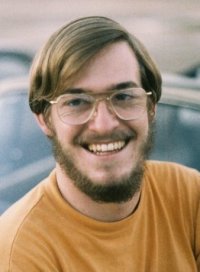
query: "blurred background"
169, 29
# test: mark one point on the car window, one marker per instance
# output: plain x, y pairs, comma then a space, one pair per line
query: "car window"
14, 64
177, 135
9, 68
21, 140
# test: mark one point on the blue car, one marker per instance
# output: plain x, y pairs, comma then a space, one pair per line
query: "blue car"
14, 63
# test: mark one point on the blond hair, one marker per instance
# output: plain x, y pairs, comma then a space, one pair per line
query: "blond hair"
71, 47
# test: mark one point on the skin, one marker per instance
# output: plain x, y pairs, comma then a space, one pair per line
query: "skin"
113, 65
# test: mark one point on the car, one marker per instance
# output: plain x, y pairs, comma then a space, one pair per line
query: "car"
178, 127
192, 72
25, 152
14, 63
183, 81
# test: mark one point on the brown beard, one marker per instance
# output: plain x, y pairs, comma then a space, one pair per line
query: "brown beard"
114, 192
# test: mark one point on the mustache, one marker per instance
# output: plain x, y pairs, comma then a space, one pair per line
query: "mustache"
93, 137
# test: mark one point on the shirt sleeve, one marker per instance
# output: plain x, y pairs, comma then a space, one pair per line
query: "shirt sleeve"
197, 242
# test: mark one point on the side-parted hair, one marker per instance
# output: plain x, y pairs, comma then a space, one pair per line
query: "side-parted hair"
70, 48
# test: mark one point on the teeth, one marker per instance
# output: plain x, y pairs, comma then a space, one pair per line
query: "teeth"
106, 147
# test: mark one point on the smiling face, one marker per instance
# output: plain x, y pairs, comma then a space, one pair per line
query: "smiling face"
104, 157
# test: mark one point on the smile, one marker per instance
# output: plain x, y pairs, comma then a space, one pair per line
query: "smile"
109, 147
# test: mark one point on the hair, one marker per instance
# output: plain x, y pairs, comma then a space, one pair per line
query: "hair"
70, 48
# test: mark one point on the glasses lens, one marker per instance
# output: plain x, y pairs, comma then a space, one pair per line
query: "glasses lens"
75, 108
129, 104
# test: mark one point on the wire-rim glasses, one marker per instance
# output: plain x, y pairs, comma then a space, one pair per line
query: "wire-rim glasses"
78, 108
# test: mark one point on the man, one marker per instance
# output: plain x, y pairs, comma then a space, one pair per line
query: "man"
94, 90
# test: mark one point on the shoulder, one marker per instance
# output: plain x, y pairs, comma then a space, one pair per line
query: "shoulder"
172, 171
17, 214
22, 208
172, 195
13, 222
172, 179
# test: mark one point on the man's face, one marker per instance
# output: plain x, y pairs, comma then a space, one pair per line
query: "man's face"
104, 157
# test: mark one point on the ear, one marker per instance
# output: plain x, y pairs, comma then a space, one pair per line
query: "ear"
154, 109
43, 124
152, 112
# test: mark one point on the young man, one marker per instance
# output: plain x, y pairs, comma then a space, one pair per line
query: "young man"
94, 90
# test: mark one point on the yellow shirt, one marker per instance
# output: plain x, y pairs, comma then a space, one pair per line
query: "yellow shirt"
41, 232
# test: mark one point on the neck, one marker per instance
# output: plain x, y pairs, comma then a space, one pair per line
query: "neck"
107, 212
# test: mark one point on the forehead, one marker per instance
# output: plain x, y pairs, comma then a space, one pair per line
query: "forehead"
114, 64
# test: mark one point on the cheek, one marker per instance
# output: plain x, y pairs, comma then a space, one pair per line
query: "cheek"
140, 126
66, 134
59, 130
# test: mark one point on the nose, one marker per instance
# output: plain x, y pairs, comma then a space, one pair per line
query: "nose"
104, 120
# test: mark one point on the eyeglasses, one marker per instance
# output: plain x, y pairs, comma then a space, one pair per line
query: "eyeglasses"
78, 108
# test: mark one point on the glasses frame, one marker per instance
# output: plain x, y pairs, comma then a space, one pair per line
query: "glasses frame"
104, 96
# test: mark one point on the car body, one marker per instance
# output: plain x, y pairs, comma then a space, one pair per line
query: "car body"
192, 72
178, 127
182, 81
25, 152
14, 63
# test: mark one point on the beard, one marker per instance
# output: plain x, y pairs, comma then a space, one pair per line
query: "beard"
117, 191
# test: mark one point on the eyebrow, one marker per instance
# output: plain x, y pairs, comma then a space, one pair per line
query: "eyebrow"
124, 85
117, 87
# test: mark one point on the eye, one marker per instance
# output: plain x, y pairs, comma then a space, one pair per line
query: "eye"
75, 102
123, 97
